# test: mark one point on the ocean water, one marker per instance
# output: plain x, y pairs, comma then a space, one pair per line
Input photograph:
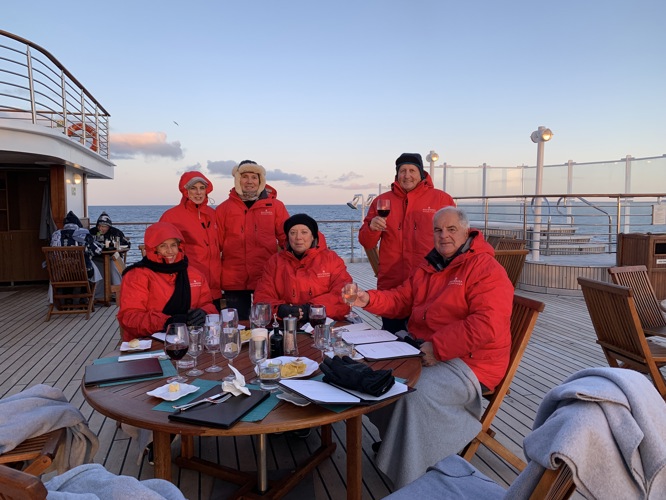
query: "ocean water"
339, 223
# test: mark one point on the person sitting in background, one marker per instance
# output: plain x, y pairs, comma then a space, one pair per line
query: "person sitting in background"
196, 221
73, 234
161, 288
103, 231
459, 302
306, 273
406, 234
250, 228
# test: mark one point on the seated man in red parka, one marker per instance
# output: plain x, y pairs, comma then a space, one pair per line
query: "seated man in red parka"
162, 288
459, 304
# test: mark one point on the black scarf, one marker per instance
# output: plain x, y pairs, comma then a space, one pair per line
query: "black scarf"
180, 300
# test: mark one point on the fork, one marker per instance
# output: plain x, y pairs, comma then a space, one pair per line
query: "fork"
216, 399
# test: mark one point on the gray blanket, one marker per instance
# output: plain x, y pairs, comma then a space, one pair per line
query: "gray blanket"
41, 409
609, 426
436, 421
94, 482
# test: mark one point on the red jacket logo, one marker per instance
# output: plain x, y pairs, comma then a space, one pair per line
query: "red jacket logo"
323, 274
455, 281
195, 283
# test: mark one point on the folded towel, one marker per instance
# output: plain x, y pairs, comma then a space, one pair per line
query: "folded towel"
351, 374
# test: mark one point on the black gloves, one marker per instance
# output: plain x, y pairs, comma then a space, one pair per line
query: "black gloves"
285, 310
196, 317
351, 374
412, 341
176, 318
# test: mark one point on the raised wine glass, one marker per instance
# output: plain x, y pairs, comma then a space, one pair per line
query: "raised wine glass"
176, 343
317, 315
231, 345
349, 292
258, 352
212, 344
196, 348
260, 314
383, 208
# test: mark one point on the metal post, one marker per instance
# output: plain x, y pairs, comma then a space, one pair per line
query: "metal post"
627, 189
536, 230
444, 173
31, 84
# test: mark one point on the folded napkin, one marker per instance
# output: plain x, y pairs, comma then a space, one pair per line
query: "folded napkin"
351, 374
237, 385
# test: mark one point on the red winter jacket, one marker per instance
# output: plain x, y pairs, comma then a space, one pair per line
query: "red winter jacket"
144, 293
409, 235
199, 228
317, 278
464, 310
249, 236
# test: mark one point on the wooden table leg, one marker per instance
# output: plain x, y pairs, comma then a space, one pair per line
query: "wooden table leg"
354, 457
262, 477
162, 452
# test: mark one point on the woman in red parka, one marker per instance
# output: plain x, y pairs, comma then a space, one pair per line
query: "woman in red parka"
196, 221
161, 288
305, 273
250, 229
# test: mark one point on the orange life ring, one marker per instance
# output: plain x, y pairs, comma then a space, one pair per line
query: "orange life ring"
90, 132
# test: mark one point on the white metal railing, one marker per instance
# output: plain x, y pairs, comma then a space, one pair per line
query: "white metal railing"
36, 88
574, 223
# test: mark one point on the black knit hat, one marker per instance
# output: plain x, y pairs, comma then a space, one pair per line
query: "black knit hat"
412, 159
304, 219
104, 220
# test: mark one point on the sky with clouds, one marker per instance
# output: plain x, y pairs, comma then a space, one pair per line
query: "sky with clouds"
326, 95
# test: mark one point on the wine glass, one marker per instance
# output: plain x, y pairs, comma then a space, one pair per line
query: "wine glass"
229, 318
260, 314
321, 340
317, 315
383, 208
230, 342
212, 344
258, 351
176, 343
349, 292
196, 348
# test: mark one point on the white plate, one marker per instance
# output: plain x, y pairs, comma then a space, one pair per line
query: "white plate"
310, 365
163, 392
143, 345
292, 398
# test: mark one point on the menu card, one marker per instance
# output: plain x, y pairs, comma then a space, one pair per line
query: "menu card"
322, 393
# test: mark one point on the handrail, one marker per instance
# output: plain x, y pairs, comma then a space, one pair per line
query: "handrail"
42, 91
591, 205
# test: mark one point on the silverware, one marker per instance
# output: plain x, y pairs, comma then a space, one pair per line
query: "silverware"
215, 399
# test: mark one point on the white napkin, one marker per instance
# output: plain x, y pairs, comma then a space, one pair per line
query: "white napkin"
237, 386
308, 328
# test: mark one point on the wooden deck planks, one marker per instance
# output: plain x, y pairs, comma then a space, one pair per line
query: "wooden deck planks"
34, 351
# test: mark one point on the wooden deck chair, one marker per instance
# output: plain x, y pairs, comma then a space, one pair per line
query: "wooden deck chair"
72, 292
38, 452
647, 305
373, 258
619, 332
513, 261
17, 485
510, 244
523, 318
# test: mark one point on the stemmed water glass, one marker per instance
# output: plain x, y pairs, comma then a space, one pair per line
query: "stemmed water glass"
230, 341
349, 293
258, 351
196, 348
260, 314
212, 344
176, 343
317, 315
321, 340
229, 318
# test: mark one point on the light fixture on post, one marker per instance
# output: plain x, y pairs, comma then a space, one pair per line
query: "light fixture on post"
359, 199
77, 178
540, 137
432, 158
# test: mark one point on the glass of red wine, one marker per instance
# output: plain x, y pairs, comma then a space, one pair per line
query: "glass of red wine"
383, 208
176, 344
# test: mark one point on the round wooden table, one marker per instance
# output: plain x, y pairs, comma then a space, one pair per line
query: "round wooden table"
129, 403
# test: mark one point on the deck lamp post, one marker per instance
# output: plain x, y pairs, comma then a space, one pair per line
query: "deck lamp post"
540, 137
432, 158
359, 199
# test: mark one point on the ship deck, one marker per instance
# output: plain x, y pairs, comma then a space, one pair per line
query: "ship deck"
55, 353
